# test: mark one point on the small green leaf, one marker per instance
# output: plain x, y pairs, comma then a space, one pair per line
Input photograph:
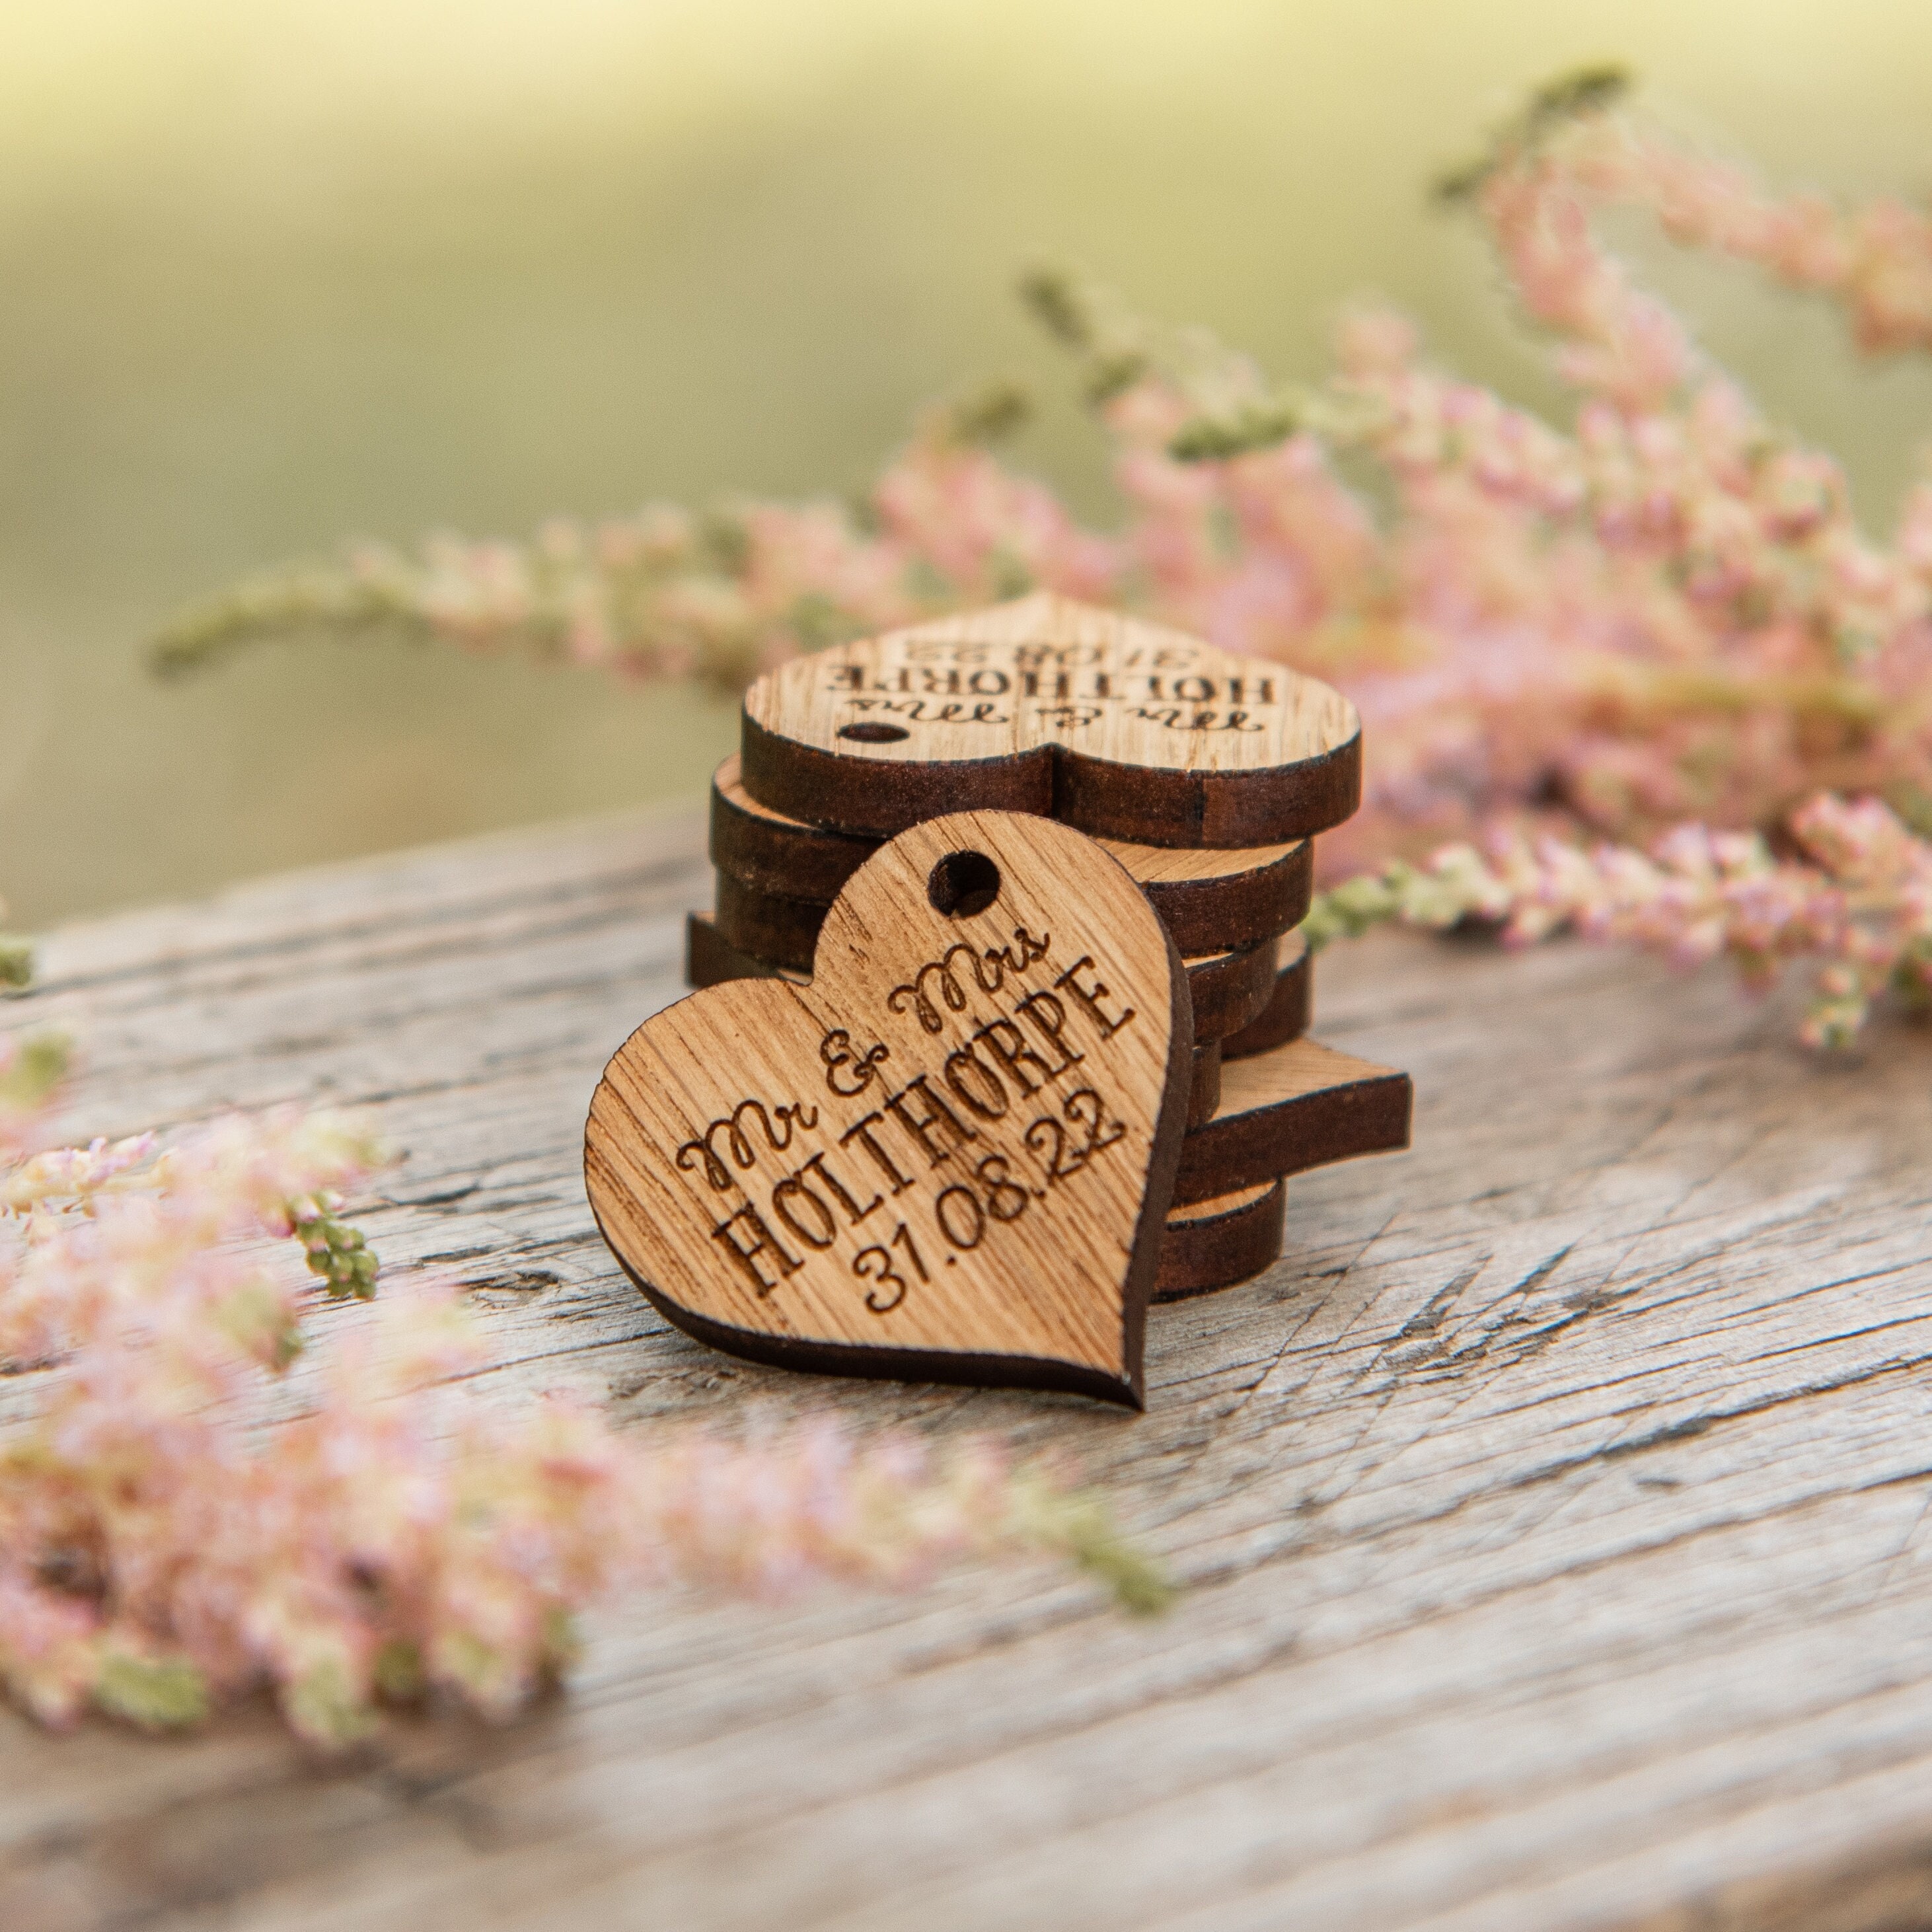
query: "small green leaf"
993, 413
1113, 372
399, 1673
335, 1251
17, 960
563, 1645
326, 1706
158, 1694
1079, 1525
1060, 306
1220, 439
39, 1063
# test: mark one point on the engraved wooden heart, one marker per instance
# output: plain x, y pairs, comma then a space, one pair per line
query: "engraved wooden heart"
1211, 900
949, 1156
1124, 728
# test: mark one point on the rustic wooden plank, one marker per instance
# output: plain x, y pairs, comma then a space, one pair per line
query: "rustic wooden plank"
1555, 1514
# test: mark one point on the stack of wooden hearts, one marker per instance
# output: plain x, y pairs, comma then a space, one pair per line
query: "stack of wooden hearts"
1207, 776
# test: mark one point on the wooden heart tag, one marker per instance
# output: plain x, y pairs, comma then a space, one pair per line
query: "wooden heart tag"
947, 1157
1127, 729
1212, 900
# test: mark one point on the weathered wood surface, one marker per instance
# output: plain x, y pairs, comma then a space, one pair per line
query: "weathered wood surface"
1554, 1515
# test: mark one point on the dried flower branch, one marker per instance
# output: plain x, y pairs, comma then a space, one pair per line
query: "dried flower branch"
1859, 903
1661, 612
1875, 261
719, 596
166, 1544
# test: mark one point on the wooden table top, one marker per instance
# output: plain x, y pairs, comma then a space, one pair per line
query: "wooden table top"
1553, 1517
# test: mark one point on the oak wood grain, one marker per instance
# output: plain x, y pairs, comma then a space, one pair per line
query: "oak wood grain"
1553, 1517
711, 960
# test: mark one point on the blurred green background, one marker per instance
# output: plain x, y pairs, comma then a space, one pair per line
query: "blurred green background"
276, 272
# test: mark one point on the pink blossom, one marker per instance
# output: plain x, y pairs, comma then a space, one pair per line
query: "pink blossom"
165, 1542
1859, 906
1652, 606
1877, 260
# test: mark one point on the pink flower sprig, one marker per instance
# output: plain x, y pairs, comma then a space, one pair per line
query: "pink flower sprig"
1651, 608
1876, 261
288, 1170
167, 1542
69, 1176
719, 596
1858, 904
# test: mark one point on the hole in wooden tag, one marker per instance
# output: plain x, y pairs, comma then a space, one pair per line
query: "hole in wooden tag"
963, 883
872, 734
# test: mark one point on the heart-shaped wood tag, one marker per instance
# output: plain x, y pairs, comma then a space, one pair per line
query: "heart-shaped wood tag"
1211, 901
949, 1157
1127, 729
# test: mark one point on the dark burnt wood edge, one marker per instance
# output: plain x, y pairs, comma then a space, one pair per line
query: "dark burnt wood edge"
878, 799
1229, 996
811, 864
1285, 1017
1295, 802
1219, 1251
1328, 1124
788, 861
1233, 914
1204, 1085
1163, 1170
1240, 910
710, 959
765, 927
1191, 809
905, 1365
